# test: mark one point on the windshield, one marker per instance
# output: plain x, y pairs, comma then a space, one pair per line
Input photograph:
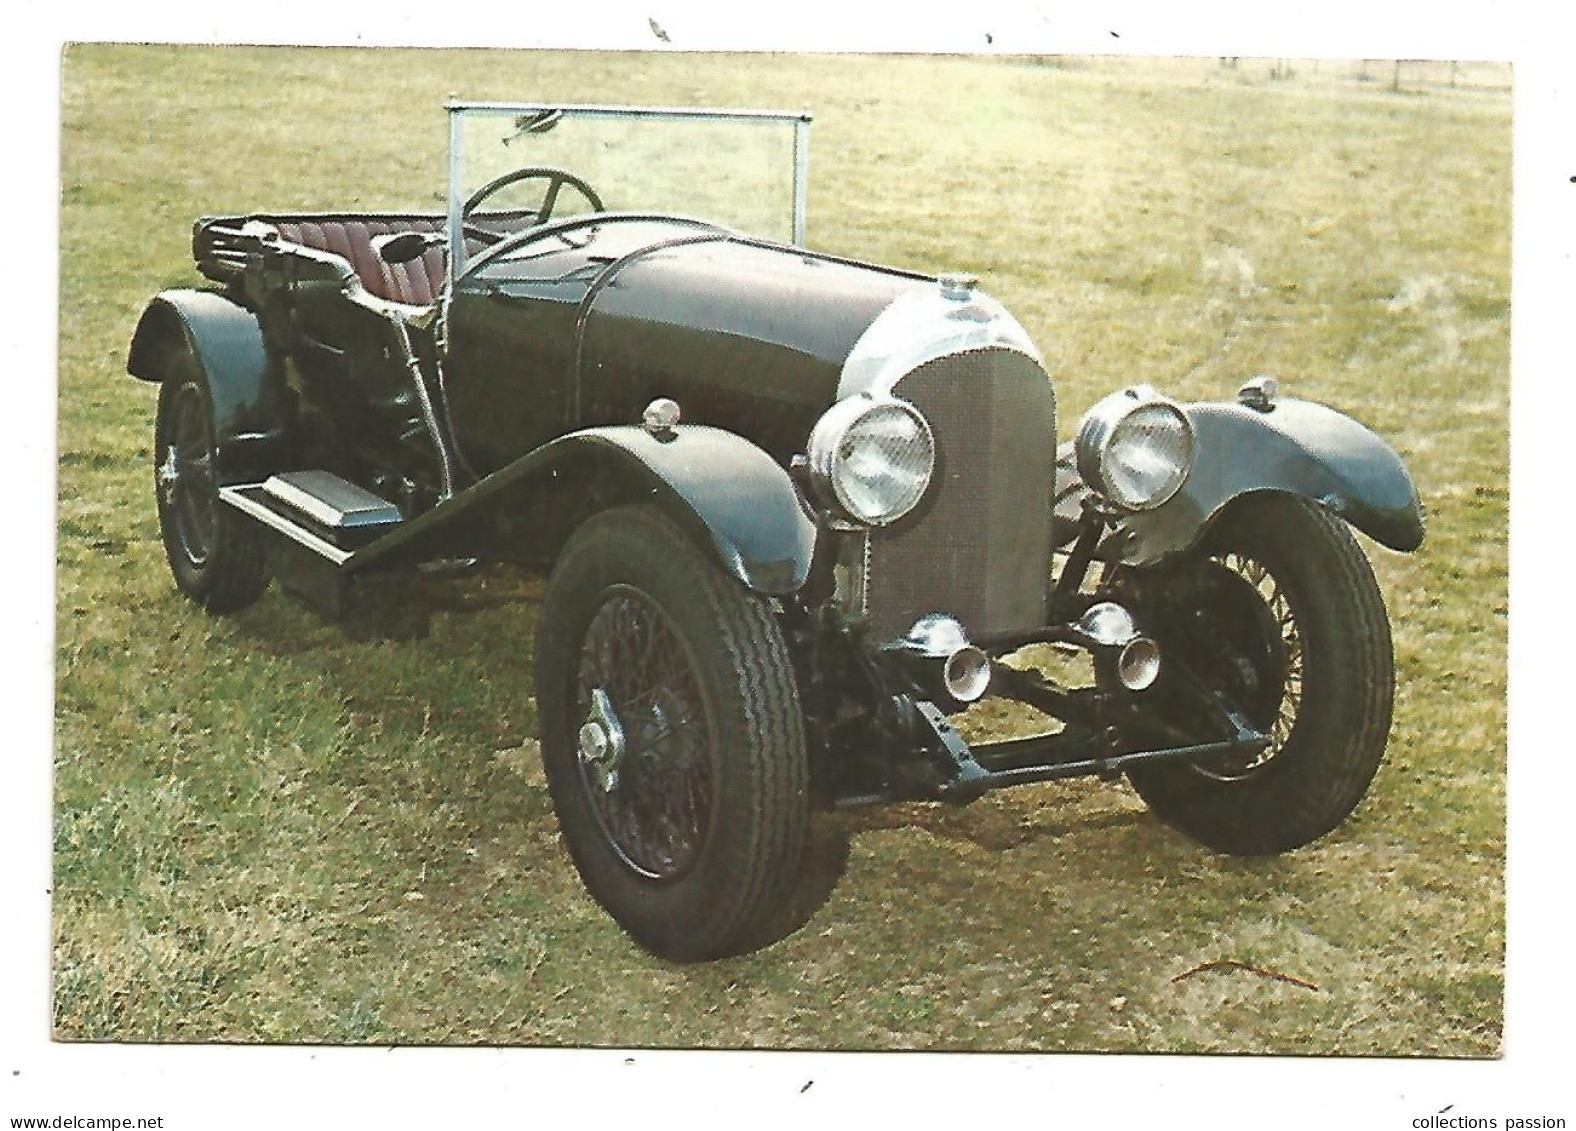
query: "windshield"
515, 165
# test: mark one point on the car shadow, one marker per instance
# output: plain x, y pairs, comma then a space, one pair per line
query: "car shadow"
982, 827
430, 625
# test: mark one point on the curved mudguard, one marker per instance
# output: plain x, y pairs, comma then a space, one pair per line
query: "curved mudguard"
1298, 447
748, 506
728, 493
248, 390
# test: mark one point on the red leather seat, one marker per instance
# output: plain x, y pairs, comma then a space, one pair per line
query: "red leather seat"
417, 283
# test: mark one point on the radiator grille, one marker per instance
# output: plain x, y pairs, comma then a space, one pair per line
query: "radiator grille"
979, 546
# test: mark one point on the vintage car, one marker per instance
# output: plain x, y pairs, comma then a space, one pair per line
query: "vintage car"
797, 511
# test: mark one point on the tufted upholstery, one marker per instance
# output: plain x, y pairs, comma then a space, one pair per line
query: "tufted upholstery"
417, 283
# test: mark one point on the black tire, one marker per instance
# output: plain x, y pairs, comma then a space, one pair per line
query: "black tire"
695, 847
215, 557
1329, 712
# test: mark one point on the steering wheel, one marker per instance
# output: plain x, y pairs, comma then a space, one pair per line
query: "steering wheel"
556, 179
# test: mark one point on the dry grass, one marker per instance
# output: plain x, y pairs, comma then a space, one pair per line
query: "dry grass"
267, 830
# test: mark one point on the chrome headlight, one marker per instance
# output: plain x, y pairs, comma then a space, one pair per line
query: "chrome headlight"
872, 458
1135, 448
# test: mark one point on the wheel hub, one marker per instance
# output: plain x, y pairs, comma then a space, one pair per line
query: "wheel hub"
1256, 657
602, 745
644, 742
1234, 641
169, 475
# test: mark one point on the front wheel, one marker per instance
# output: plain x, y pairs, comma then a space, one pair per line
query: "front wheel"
672, 738
1278, 612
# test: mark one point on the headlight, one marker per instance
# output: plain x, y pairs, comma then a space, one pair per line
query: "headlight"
872, 458
1135, 448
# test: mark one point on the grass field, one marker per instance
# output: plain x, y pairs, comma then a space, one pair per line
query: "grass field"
269, 830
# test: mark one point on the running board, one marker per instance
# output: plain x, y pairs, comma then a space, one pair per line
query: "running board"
314, 522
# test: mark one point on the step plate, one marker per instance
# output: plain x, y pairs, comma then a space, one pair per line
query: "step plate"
331, 501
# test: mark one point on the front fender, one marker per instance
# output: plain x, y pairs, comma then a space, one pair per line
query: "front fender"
727, 493
1299, 447
725, 487
246, 387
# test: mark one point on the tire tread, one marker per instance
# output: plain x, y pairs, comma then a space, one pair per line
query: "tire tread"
742, 642
1333, 753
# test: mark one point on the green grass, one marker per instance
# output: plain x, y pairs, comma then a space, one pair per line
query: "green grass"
269, 830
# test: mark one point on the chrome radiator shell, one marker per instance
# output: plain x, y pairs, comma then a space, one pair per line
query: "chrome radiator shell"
978, 546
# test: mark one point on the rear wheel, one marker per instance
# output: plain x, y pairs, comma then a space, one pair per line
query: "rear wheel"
1278, 612
215, 557
672, 738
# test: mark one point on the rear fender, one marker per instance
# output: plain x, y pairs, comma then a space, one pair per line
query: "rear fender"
729, 495
251, 401
1300, 448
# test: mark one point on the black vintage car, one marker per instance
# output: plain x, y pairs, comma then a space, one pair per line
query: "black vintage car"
798, 511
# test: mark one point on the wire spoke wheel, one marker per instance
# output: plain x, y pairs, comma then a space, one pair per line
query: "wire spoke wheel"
656, 805
1280, 616
672, 737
